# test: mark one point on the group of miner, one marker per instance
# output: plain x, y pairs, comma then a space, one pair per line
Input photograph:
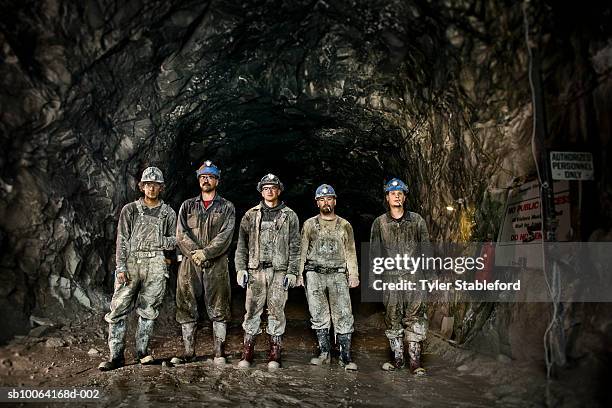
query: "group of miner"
271, 256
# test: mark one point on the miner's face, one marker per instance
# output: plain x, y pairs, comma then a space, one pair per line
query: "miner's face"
270, 192
396, 198
326, 204
151, 189
208, 183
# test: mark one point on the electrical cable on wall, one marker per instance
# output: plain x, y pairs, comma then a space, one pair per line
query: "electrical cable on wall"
552, 344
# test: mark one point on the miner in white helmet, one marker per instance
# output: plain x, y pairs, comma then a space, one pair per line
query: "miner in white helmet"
146, 229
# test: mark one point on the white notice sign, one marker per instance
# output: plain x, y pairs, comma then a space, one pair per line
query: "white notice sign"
571, 165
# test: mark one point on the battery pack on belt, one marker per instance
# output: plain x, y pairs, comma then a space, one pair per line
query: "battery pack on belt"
265, 265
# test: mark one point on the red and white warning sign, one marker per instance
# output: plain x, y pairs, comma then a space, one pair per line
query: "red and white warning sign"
521, 234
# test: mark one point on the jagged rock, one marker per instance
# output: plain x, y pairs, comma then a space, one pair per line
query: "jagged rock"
55, 342
38, 331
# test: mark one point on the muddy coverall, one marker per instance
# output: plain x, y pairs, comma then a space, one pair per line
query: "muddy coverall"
211, 230
328, 258
269, 248
404, 311
143, 234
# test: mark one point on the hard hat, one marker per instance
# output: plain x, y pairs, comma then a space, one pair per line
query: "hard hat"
152, 174
208, 168
324, 190
395, 185
269, 179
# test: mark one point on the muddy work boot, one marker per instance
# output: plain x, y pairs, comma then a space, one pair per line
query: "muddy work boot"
248, 352
219, 331
397, 348
414, 352
116, 335
189, 336
143, 334
344, 340
324, 348
274, 358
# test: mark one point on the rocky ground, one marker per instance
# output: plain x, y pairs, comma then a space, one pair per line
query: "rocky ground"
68, 355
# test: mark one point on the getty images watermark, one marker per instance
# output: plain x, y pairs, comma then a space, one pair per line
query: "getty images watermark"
488, 272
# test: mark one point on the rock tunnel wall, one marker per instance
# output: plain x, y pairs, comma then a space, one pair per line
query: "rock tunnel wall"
345, 92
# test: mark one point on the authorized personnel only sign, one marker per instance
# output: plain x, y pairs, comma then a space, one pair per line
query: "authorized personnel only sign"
571, 165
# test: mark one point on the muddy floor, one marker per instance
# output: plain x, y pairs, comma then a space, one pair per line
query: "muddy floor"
68, 355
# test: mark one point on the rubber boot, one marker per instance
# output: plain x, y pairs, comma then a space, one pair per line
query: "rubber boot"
189, 337
344, 340
324, 348
397, 348
248, 352
414, 352
219, 331
143, 334
116, 335
274, 358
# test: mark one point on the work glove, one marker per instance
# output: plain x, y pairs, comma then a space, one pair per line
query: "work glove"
353, 281
242, 278
289, 281
198, 256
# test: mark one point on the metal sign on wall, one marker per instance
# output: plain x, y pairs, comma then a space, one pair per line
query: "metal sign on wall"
520, 237
571, 165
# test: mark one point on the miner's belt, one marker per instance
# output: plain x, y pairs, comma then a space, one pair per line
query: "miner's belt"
326, 270
265, 265
147, 254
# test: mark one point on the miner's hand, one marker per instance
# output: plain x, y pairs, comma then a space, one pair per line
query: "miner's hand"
198, 256
353, 281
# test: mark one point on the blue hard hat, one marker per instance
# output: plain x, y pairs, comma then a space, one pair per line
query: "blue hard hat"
396, 185
324, 190
208, 168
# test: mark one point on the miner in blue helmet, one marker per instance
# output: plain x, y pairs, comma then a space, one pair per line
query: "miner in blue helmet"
145, 230
329, 261
267, 260
204, 233
401, 232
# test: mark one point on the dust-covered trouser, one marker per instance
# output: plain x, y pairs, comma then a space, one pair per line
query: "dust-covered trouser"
337, 309
265, 288
404, 315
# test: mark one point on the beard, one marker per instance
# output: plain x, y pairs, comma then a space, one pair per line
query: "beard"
326, 209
